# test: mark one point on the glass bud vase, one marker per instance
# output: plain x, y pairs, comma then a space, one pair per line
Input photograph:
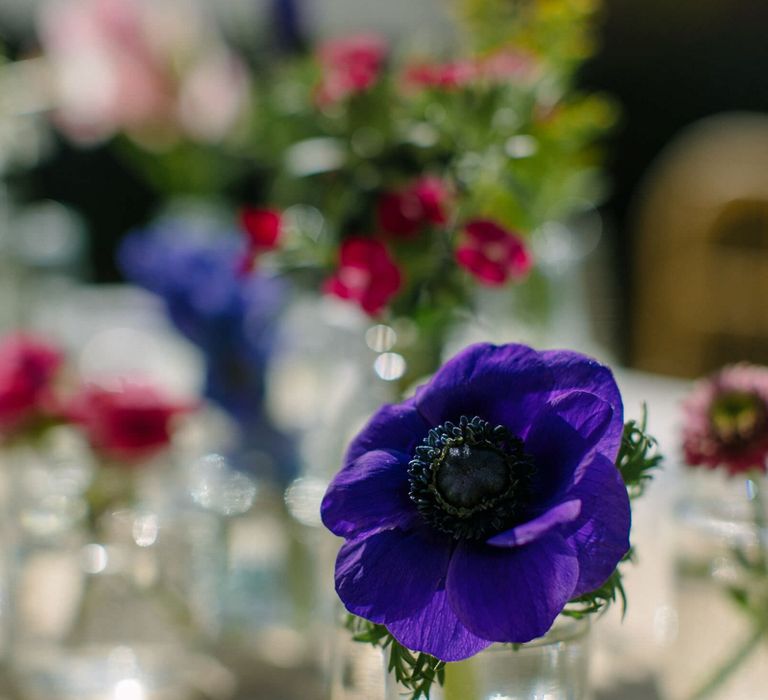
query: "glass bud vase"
104, 609
719, 649
555, 667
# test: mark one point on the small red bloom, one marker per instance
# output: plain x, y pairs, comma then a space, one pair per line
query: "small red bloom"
128, 424
408, 211
350, 65
263, 228
493, 254
726, 420
28, 367
366, 274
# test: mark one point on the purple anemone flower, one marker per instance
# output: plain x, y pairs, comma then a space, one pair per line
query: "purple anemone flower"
474, 511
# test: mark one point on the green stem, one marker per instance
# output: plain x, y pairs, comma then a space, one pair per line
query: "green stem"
731, 665
743, 652
761, 527
460, 681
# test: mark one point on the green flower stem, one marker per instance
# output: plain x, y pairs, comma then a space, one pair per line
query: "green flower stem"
741, 654
460, 681
761, 527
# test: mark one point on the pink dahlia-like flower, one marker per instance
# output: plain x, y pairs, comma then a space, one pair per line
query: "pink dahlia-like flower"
350, 65
28, 367
408, 211
726, 420
128, 424
366, 274
493, 254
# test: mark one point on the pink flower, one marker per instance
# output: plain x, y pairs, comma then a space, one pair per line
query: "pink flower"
493, 254
408, 211
726, 420
350, 65
496, 68
152, 69
128, 424
442, 76
366, 274
28, 368
508, 65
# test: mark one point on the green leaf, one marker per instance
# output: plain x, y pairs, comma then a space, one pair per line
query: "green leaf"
415, 671
638, 456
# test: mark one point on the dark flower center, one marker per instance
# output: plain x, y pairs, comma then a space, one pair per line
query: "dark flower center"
470, 480
738, 417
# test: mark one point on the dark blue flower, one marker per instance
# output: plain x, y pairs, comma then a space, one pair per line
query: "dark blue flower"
474, 511
232, 318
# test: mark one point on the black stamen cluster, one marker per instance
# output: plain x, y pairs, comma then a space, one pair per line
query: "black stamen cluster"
470, 480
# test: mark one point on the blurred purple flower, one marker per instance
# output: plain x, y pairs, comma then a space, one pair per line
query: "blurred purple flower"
474, 511
232, 318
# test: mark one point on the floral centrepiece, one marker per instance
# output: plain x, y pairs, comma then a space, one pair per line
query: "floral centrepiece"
476, 510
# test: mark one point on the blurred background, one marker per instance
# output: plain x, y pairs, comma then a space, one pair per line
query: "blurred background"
667, 66
248, 223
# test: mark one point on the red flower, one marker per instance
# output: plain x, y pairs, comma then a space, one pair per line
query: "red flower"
350, 65
726, 420
366, 274
128, 424
28, 367
493, 254
263, 228
442, 76
408, 211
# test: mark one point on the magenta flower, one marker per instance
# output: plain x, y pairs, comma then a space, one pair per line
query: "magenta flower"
493, 254
406, 212
726, 420
474, 511
28, 369
351, 65
130, 423
366, 274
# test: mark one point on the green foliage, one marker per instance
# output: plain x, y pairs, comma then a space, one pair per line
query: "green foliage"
638, 456
599, 600
415, 671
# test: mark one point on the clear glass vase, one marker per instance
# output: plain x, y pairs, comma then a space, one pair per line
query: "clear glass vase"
554, 667
719, 649
108, 607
